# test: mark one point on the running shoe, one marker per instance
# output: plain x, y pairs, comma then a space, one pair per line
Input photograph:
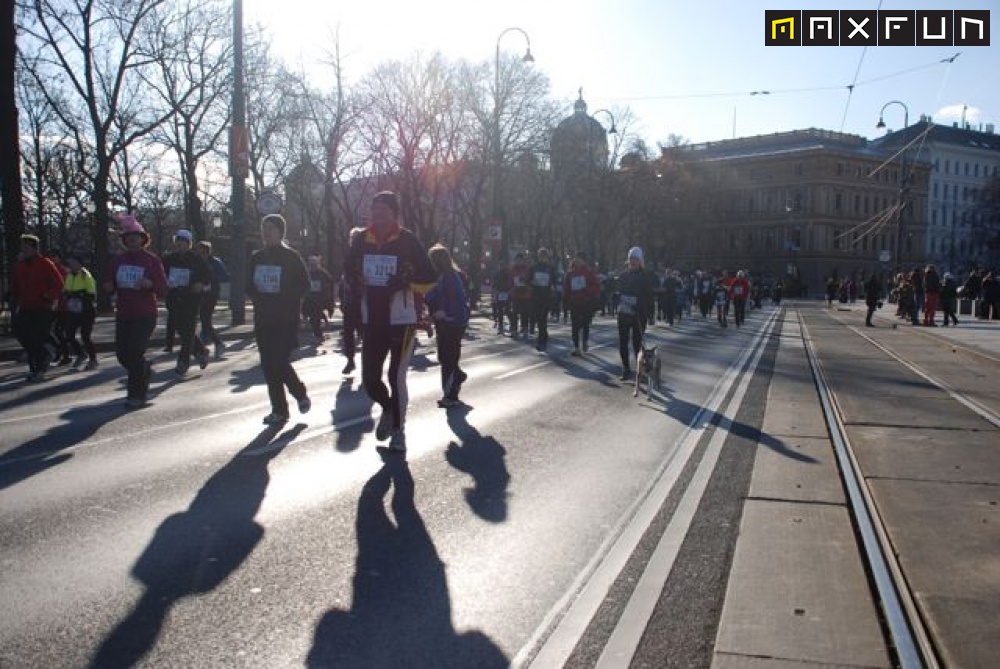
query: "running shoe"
305, 404
202, 359
182, 368
348, 368
92, 364
275, 419
447, 402
79, 360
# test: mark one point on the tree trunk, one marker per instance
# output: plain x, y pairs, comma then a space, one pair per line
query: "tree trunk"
10, 164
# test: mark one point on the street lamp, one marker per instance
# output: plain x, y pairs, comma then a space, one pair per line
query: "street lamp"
906, 114
238, 164
904, 180
613, 130
497, 152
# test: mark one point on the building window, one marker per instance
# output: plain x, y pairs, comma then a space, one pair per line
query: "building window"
837, 202
967, 169
857, 204
947, 167
976, 170
798, 169
933, 216
840, 169
935, 190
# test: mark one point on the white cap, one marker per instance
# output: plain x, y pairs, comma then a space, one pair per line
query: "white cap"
635, 252
184, 234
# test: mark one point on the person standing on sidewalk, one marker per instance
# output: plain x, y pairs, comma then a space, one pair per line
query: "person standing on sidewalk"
932, 294
448, 304
873, 297
137, 280
188, 275
210, 297
386, 267
35, 289
276, 282
581, 291
80, 293
949, 299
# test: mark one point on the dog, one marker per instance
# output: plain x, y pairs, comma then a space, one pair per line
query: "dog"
647, 362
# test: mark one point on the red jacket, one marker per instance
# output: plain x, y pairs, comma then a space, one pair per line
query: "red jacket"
581, 286
739, 289
36, 284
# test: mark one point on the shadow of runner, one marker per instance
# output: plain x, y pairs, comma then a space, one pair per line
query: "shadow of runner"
401, 612
194, 551
483, 459
41, 453
349, 438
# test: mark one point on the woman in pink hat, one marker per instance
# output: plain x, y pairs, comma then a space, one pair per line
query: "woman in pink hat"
137, 279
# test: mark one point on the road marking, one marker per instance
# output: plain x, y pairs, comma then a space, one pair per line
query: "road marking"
564, 625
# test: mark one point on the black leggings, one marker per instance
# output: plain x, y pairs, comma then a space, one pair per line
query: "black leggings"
630, 326
275, 345
396, 343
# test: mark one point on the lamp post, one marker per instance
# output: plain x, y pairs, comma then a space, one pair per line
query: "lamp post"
497, 146
238, 168
904, 180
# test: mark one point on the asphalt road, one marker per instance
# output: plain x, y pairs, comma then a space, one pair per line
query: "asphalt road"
186, 534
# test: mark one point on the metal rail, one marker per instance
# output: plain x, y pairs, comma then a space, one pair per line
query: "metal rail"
907, 632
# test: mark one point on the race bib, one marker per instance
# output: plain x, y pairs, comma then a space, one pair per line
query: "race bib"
314, 286
179, 277
577, 283
378, 269
502, 297
541, 279
74, 305
129, 276
519, 281
267, 278
737, 291
628, 304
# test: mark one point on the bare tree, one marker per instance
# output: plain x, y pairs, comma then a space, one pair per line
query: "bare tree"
192, 49
91, 52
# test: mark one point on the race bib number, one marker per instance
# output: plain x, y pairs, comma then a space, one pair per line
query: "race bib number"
314, 286
378, 269
74, 305
519, 281
129, 276
628, 304
738, 291
541, 279
179, 277
267, 278
502, 297
577, 283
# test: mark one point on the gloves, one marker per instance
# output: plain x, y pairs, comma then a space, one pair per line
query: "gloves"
396, 282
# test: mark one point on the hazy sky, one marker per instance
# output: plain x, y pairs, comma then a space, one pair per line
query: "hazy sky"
687, 67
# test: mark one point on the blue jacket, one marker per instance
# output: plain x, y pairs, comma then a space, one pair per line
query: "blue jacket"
449, 296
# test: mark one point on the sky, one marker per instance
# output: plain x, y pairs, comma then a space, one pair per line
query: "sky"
693, 68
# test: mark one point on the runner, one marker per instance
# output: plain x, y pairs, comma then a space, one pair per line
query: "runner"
635, 304
188, 275
35, 288
541, 276
137, 280
80, 291
449, 307
276, 281
386, 266
739, 290
581, 291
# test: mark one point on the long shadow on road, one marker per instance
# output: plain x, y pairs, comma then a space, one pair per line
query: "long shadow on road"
401, 611
43, 452
483, 459
194, 551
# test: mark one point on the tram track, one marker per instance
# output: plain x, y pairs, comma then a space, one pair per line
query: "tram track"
908, 625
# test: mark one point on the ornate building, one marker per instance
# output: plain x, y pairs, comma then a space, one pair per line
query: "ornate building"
801, 206
580, 181
964, 161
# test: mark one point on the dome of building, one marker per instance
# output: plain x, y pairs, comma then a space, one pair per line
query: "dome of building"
579, 143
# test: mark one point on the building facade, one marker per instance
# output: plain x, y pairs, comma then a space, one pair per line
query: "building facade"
963, 162
802, 206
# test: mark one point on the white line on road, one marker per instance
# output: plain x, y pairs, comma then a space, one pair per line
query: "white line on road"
564, 625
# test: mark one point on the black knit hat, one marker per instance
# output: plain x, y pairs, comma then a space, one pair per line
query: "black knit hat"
388, 198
